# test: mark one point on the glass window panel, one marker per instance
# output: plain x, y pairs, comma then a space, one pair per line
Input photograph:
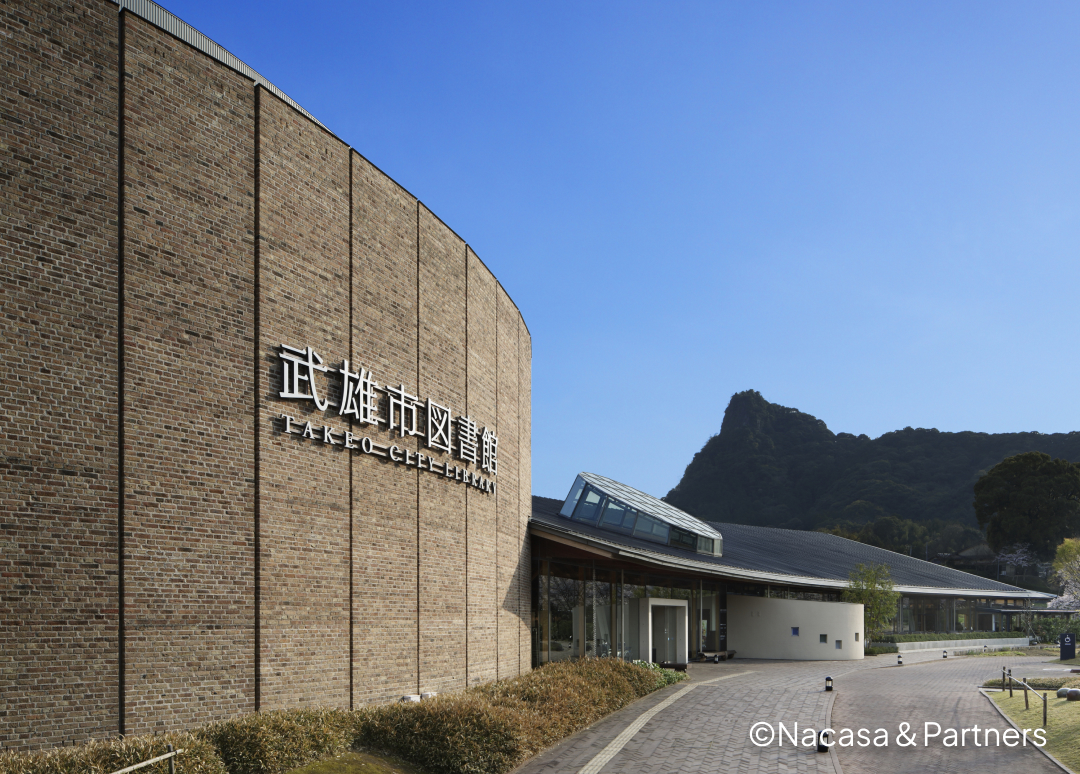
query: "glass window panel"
618, 518
651, 529
704, 545
566, 603
588, 508
572, 498
680, 538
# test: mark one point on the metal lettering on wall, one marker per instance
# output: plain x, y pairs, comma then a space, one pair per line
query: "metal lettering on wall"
359, 399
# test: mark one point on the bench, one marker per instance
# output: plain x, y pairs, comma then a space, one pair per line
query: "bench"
716, 656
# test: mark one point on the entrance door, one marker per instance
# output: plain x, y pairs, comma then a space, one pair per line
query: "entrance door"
665, 634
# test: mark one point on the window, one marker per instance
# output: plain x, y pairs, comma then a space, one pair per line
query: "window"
824, 639
680, 538
794, 631
572, 498
588, 508
618, 518
856, 636
651, 529
839, 644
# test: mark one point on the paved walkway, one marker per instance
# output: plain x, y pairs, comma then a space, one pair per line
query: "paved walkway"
707, 728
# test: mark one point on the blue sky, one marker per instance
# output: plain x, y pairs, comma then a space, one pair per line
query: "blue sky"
866, 211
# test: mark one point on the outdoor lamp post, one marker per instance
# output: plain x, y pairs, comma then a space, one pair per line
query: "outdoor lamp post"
944, 654
828, 683
899, 659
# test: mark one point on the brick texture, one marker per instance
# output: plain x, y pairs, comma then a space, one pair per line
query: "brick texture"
384, 498
149, 275
58, 389
304, 515
508, 529
189, 310
442, 502
524, 451
483, 610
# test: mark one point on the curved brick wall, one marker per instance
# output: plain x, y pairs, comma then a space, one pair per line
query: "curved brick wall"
171, 552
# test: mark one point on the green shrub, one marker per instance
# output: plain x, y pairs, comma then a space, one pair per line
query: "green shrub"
1042, 683
489, 729
108, 755
878, 650
449, 734
275, 742
932, 636
664, 676
495, 727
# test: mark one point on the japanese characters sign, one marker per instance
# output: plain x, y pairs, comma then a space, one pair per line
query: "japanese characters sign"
361, 400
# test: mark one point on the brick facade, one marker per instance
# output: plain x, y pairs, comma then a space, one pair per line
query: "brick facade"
170, 554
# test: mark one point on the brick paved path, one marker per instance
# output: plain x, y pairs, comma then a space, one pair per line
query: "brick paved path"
939, 691
707, 729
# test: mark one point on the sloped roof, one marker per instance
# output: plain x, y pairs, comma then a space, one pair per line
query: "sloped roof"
781, 556
650, 505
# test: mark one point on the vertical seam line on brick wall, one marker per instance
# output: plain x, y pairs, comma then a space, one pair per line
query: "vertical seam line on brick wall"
121, 661
258, 424
520, 544
352, 356
418, 472
468, 412
498, 498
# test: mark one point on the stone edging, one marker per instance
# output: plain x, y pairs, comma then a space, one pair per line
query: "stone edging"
1009, 720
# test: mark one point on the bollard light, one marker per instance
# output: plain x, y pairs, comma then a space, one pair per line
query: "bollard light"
823, 741
944, 654
899, 659
984, 648
828, 683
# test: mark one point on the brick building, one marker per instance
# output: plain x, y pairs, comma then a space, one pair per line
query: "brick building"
266, 417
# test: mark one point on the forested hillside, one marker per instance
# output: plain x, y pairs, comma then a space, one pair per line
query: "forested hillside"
776, 466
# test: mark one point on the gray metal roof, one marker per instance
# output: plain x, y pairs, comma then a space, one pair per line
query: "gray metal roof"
651, 505
780, 556
159, 17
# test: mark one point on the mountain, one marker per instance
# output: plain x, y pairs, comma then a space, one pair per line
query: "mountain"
776, 466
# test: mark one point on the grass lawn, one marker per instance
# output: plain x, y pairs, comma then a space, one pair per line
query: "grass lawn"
358, 763
1062, 723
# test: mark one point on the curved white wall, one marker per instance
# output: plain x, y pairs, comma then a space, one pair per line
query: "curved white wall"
760, 627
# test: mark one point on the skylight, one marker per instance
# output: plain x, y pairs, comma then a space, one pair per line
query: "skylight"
614, 507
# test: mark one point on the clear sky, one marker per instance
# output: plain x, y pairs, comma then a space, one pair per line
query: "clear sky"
867, 211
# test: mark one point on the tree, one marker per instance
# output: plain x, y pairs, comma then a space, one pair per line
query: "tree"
1029, 498
1019, 555
871, 586
1067, 571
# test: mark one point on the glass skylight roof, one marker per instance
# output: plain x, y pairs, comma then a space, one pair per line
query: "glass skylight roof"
615, 507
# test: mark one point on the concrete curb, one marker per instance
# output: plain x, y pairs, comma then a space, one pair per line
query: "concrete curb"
1009, 720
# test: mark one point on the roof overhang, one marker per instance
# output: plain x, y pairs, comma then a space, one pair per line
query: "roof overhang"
612, 549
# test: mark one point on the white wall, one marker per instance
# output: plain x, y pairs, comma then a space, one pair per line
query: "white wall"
760, 627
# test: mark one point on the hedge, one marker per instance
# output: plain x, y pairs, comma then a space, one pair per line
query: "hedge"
491, 728
277, 741
108, 755
1042, 683
932, 636
879, 650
